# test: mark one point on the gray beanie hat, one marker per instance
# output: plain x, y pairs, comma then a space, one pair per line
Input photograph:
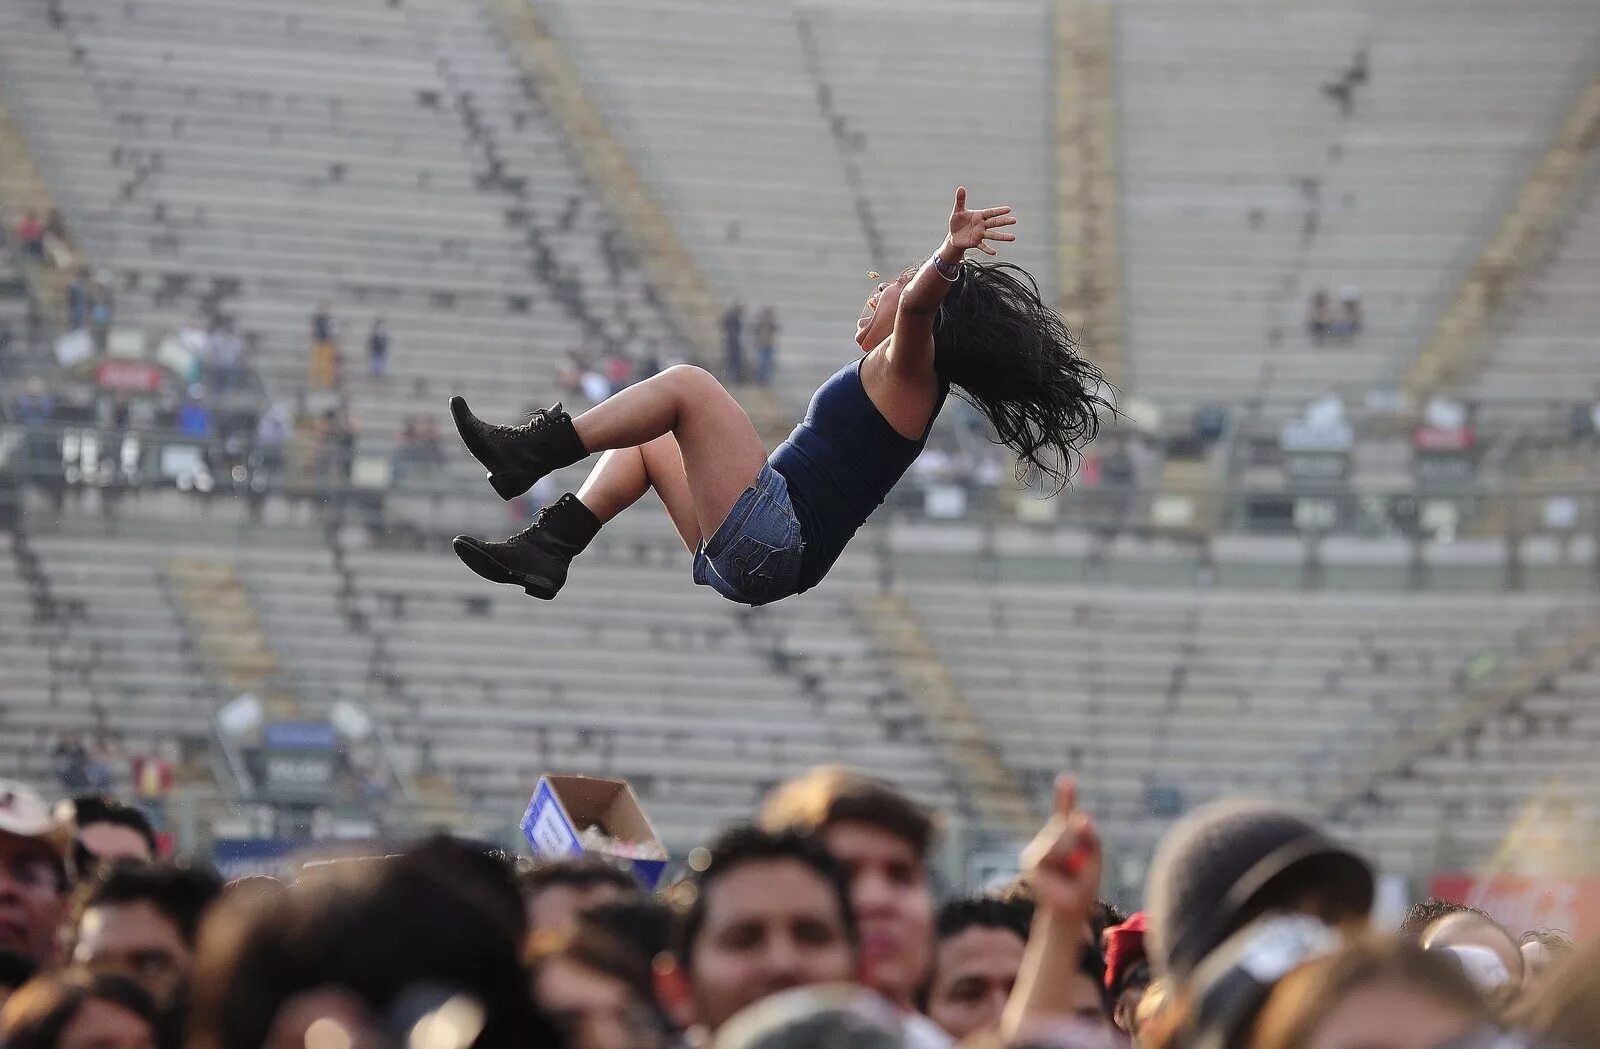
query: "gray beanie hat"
1225, 863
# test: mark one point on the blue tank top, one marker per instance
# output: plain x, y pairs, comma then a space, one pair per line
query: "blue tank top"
841, 463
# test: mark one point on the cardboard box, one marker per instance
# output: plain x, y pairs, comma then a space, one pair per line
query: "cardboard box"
562, 807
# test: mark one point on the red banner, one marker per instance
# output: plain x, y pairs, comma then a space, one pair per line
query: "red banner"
128, 376
1524, 902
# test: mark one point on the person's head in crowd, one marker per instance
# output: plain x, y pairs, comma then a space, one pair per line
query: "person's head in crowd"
367, 946
977, 953
596, 989
1486, 952
1542, 950
766, 911
1374, 992
108, 828
75, 1009
15, 970
882, 838
1226, 864
825, 1017
1428, 911
488, 867
141, 920
1105, 916
1127, 969
645, 924
255, 886
1563, 1008
556, 891
34, 872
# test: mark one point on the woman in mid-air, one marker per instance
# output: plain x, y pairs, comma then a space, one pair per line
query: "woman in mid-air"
764, 528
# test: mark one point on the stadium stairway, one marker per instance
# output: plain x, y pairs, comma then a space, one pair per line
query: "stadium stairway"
24, 189
991, 790
222, 618
1088, 217
1514, 253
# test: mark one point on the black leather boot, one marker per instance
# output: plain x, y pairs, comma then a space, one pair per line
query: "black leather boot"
537, 557
517, 456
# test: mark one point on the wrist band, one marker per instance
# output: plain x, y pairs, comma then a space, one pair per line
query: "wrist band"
950, 271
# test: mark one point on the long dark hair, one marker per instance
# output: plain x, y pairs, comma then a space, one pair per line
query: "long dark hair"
1012, 358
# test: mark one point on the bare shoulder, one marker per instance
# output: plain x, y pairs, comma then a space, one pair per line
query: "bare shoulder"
906, 402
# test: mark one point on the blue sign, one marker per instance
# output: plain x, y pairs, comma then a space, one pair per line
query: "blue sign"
300, 735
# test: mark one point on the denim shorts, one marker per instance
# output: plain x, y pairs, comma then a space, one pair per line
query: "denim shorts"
754, 557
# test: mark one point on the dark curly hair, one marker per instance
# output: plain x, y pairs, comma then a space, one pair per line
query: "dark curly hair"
1012, 358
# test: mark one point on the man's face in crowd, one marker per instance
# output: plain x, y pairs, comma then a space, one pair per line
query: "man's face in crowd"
112, 841
769, 925
893, 904
32, 898
137, 940
973, 973
594, 1009
558, 906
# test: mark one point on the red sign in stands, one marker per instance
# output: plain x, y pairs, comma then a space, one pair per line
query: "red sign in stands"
1444, 439
128, 376
1524, 902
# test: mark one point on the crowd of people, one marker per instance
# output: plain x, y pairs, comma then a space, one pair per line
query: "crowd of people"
814, 924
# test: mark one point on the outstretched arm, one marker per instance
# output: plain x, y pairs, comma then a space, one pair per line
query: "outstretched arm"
919, 303
1063, 863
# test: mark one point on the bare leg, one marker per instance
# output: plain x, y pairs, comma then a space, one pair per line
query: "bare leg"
720, 450
624, 474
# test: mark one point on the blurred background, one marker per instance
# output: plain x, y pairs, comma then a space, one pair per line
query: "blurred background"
1339, 256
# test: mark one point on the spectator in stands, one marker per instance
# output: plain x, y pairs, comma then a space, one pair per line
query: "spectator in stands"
882, 838
70, 761
194, 415
30, 233
108, 828
764, 335
141, 919
15, 970
978, 945
35, 846
365, 946
1427, 912
1348, 324
1319, 316
1374, 992
272, 437
1542, 951
78, 292
74, 1009
323, 328
733, 342
102, 311
769, 911
35, 407
618, 369
596, 989
1227, 864
378, 350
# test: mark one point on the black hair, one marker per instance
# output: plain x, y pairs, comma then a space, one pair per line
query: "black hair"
40, 1011
180, 891
89, 809
956, 916
1106, 915
1012, 358
16, 969
1429, 911
575, 872
383, 929
644, 924
831, 794
746, 844
491, 867
1558, 943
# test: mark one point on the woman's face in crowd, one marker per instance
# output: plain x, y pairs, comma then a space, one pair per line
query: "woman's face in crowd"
104, 1025
973, 973
595, 1009
893, 905
1390, 1016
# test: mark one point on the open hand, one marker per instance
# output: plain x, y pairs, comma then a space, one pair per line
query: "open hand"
1063, 861
973, 229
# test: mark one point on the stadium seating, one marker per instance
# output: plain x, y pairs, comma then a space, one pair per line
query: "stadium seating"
1230, 145
1158, 699
383, 158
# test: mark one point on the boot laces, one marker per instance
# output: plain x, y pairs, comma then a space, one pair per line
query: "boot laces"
538, 419
528, 534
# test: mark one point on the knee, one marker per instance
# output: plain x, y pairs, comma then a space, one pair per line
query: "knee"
692, 380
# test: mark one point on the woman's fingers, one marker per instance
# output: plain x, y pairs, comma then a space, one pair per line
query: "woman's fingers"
990, 213
999, 220
999, 236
